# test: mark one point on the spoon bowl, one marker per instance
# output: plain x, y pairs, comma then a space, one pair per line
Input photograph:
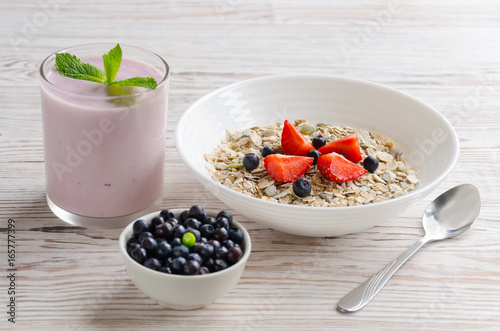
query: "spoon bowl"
449, 215
452, 213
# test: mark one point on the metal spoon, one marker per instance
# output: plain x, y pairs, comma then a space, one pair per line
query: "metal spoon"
449, 215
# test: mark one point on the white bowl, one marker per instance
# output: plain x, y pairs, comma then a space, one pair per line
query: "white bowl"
421, 132
183, 292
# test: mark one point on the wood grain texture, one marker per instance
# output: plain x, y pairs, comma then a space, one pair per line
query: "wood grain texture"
443, 52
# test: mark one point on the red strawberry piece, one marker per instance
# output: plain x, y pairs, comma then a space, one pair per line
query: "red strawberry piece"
347, 146
293, 142
287, 168
336, 168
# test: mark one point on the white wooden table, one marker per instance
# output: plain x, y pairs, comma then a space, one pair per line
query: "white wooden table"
443, 52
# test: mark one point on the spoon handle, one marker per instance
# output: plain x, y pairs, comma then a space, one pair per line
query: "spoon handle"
363, 294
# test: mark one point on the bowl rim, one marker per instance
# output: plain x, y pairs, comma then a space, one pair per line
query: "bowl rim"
127, 233
413, 194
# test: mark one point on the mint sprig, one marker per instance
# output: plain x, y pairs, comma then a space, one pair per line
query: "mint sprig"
70, 66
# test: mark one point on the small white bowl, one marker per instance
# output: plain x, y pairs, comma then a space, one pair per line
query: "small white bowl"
183, 292
426, 138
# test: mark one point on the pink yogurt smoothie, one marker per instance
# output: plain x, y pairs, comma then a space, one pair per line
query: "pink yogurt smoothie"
104, 156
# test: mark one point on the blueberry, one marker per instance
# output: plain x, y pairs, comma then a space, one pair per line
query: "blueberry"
139, 227
222, 222
149, 244
180, 250
226, 214
220, 234
228, 243
204, 271
152, 263
315, 154
177, 265
235, 235
319, 141
206, 251
164, 230
183, 215
206, 231
144, 235
219, 264
302, 187
166, 214
132, 240
209, 264
176, 242
139, 254
267, 151
192, 223
235, 254
203, 217
163, 251
210, 220
174, 221
370, 164
178, 231
216, 244
132, 246
196, 211
251, 161
196, 247
191, 268
167, 262
221, 253
195, 257
157, 221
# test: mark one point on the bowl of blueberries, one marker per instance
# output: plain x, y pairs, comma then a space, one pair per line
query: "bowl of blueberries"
185, 259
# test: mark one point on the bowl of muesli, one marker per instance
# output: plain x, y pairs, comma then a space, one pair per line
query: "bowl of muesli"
316, 155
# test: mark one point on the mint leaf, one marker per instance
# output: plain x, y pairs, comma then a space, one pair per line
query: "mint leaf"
147, 82
70, 66
112, 62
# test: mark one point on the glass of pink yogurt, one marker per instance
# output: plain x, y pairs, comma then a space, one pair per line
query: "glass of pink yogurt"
104, 146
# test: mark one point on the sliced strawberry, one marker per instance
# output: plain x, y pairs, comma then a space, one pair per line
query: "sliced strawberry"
347, 146
293, 142
336, 168
287, 168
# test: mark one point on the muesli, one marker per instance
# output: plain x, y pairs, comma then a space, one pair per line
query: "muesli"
393, 177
